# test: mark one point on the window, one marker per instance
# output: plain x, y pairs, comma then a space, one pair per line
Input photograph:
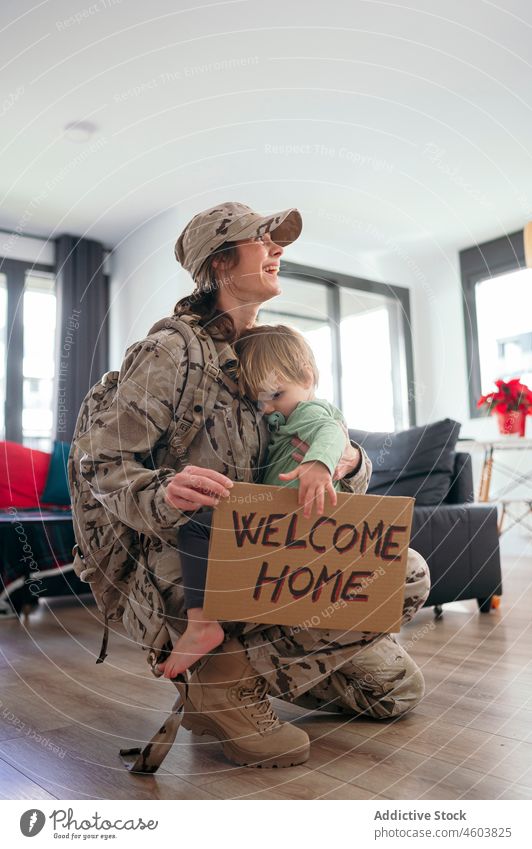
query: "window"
498, 314
360, 334
27, 353
39, 361
504, 318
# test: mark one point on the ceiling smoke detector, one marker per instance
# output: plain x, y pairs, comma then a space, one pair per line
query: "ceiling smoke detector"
79, 131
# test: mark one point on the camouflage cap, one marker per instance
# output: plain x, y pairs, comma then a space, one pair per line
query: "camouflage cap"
227, 222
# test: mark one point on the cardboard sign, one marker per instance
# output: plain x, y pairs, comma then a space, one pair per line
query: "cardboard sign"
345, 569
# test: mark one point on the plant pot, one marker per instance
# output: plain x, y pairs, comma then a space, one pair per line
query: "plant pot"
514, 421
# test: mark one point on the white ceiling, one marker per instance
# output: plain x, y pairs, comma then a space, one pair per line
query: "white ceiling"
387, 123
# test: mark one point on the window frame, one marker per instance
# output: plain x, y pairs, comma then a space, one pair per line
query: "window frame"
15, 271
480, 262
334, 281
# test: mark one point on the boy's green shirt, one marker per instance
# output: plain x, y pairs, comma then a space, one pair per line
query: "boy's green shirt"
316, 422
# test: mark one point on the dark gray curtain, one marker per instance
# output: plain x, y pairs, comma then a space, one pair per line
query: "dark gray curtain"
82, 327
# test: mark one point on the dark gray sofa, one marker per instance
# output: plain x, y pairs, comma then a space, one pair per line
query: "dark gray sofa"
457, 537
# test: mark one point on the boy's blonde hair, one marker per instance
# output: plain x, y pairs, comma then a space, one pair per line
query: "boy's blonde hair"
270, 352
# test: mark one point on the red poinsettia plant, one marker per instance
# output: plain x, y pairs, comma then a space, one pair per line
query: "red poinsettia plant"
511, 396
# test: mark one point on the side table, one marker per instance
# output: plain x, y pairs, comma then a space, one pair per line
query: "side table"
493, 450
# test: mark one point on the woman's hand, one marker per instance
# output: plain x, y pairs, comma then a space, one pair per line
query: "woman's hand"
314, 481
197, 487
346, 464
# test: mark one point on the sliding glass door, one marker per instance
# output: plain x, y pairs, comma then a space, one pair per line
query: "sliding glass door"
374, 378
305, 306
360, 334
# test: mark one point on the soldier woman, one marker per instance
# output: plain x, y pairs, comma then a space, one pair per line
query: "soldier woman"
232, 254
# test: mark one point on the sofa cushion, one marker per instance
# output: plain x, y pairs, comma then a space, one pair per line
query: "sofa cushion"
23, 474
56, 490
418, 462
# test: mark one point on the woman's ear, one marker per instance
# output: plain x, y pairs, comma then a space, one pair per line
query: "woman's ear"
220, 264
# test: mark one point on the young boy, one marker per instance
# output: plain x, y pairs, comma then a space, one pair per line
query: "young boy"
278, 371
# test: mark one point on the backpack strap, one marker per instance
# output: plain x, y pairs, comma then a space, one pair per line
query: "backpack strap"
148, 760
202, 386
105, 641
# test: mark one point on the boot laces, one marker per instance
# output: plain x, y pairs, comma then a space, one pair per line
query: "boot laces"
257, 704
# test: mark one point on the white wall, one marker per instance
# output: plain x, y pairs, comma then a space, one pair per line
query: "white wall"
146, 282
440, 345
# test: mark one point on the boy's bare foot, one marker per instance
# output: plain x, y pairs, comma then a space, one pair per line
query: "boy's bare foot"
199, 639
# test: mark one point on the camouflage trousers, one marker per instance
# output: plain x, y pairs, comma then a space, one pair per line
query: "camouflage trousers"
372, 675
364, 673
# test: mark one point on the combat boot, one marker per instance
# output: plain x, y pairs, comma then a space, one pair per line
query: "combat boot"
228, 700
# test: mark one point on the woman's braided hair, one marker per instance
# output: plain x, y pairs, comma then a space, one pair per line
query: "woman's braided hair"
202, 301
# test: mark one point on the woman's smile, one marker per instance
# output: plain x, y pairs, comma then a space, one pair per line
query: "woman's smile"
271, 269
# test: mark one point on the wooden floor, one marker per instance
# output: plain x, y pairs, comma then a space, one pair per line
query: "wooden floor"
63, 719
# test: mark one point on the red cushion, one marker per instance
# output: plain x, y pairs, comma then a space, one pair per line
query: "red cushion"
23, 473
